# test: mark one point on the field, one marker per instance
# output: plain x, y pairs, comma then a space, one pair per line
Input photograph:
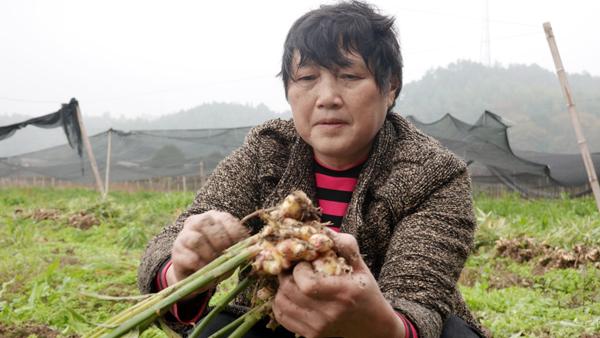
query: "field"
535, 271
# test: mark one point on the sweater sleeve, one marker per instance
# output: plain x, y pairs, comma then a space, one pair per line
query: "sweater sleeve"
409, 328
187, 311
426, 254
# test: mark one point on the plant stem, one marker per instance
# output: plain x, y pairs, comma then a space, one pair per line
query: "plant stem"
250, 321
223, 331
184, 290
243, 243
220, 306
256, 213
157, 297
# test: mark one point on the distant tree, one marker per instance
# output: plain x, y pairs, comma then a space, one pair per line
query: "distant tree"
168, 156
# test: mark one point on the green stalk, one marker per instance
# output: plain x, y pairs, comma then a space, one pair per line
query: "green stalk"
182, 291
223, 331
156, 298
250, 321
243, 243
220, 306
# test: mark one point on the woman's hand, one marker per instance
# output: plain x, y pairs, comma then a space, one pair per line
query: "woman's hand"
202, 239
350, 305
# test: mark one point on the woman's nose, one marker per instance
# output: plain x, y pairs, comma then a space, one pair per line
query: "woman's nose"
328, 93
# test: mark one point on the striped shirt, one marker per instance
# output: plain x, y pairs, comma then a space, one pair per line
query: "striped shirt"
334, 191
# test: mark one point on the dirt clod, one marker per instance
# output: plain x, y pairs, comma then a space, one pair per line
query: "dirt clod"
83, 220
526, 249
25, 330
500, 279
45, 214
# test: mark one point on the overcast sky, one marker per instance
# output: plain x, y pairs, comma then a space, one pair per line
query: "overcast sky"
148, 58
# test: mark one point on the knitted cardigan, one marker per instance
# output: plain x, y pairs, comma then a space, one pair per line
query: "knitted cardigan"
411, 212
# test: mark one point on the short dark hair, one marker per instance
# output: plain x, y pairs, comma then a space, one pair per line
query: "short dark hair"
322, 35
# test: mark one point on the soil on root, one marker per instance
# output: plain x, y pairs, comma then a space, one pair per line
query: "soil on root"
525, 249
25, 330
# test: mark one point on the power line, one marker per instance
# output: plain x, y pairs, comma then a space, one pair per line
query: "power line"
146, 93
179, 88
448, 14
445, 47
28, 100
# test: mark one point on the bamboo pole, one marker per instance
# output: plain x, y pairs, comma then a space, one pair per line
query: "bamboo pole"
583, 147
201, 173
88, 148
107, 169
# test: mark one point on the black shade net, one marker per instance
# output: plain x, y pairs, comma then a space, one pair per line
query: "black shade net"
66, 118
486, 148
135, 155
145, 154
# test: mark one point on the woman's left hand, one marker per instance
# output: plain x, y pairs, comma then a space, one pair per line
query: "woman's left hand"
350, 305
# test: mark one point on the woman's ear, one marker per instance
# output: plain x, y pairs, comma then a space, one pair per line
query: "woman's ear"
391, 94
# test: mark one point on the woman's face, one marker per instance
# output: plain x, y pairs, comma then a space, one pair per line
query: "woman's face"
338, 112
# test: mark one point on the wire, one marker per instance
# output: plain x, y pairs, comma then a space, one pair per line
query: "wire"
28, 100
178, 89
444, 47
146, 93
478, 18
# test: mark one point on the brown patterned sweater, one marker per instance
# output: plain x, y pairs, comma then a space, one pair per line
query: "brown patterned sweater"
411, 212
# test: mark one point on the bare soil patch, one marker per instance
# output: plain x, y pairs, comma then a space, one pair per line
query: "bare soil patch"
39, 215
25, 330
501, 278
80, 220
525, 249
83, 220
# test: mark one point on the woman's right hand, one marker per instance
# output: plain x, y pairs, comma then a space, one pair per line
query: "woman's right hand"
202, 239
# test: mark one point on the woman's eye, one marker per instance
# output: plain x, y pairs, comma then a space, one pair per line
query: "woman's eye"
306, 78
350, 76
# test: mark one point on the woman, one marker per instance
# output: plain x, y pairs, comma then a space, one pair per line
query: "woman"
400, 202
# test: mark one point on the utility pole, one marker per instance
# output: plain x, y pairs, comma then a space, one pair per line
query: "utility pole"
583, 147
485, 54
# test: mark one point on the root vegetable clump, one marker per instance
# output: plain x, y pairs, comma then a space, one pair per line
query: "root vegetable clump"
292, 233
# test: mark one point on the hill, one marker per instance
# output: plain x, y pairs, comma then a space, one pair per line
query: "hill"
526, 95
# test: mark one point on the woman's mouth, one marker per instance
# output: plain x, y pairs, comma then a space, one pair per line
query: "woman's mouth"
331, 123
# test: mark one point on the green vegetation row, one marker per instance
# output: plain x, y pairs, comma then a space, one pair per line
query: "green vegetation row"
63, 250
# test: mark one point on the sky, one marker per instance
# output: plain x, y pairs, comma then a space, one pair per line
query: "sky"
146, 58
